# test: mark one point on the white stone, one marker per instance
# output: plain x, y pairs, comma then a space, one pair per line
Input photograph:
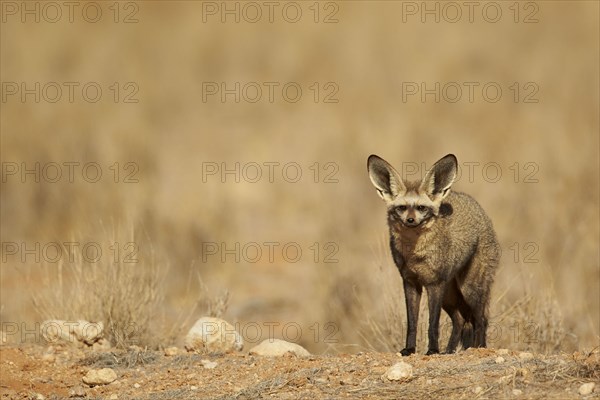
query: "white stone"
499, 360
213, 335
277, 347
586, 388
208, 364
102, 376
517, 392
79, 331
399, 371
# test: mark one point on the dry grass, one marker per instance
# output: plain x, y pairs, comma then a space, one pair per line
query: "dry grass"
121, 290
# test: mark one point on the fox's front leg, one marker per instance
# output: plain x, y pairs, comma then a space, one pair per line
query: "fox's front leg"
435, 296
412, 294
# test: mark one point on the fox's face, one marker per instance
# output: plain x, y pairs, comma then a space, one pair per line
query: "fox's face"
412, 204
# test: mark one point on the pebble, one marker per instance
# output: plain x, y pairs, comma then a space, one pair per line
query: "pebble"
102, 376
517, 392
208, 364
499, 360
213, 335
399, 371
477, 389
586, 388
277, 348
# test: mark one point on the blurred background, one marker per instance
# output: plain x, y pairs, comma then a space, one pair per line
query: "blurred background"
291, 100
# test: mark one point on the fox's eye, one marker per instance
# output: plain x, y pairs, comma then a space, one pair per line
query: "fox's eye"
421, 208
401, 208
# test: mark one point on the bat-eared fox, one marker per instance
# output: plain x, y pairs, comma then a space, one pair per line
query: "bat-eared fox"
443, 241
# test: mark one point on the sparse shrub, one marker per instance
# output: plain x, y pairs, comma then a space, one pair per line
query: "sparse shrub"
121, 289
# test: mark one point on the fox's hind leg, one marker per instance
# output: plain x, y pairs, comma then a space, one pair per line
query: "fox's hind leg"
475, 283
457, 327
452, 303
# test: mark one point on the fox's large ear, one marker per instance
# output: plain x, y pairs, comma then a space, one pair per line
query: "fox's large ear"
439, 179
385, 178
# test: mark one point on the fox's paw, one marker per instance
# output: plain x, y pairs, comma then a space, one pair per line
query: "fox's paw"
432, 351
407, 351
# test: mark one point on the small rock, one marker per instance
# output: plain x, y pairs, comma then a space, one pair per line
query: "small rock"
208, 364
77, 391
114, 397
502, 352
49, 358
193, 387
524, 356
80, 331
102, 376
499, 360
40, 396
277, 347
517, 392
213, 335
137, 385
171, 351
586, 388
477, 389
399, 371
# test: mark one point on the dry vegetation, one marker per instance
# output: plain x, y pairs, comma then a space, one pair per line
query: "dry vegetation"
546, 297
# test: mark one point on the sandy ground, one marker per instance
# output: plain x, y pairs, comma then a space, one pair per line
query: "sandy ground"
56, 372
